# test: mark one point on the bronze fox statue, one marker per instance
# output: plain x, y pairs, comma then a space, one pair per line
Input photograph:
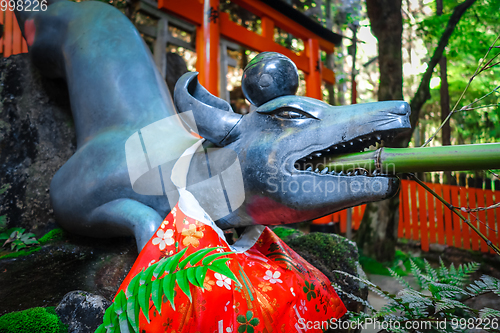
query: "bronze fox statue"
116, 92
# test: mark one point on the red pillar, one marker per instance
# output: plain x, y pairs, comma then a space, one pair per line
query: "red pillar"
207, 48
313, 80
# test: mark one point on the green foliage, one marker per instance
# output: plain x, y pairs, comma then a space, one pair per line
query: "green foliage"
157, 283
439, 299
53, 235
3, 222
17, 239
284, 232
34, 320
472, 37
3, 218
4, 188
401, 264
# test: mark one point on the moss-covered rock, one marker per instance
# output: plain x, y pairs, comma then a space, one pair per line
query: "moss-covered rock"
331, 252
34, 320
287, 234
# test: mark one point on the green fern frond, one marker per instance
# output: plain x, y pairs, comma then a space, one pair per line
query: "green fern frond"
358, 299
487, 312
399, 278
417, 273
444, 290
430, 271
159, 280
492, 283
443, 270
471, 267
449, 304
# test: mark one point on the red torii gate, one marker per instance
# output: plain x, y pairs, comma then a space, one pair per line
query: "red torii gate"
211, 24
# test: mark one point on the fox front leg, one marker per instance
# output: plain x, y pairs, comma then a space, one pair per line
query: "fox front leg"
128, 217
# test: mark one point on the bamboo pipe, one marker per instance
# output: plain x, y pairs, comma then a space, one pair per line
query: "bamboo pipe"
424, 159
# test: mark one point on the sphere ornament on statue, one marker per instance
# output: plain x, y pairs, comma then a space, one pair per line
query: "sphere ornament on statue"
267, 76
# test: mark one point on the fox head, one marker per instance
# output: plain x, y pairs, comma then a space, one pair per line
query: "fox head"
277, 144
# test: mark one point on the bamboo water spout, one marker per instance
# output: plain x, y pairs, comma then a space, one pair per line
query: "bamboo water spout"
399, 160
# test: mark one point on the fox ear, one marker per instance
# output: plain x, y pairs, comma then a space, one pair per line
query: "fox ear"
215, 120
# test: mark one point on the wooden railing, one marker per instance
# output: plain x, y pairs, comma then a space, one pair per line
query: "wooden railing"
423, 218
12, 42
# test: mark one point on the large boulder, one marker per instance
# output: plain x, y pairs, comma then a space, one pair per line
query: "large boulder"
81, 311
37, 137
73, 263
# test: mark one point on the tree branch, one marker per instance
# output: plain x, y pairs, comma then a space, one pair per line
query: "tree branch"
423, 91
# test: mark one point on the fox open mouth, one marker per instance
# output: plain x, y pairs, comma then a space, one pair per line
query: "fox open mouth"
317, 161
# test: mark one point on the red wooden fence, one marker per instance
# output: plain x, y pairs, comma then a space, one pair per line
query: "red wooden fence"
422, 217
12, 42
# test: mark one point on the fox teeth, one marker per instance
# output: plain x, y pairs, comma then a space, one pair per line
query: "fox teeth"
325, 170
309, 168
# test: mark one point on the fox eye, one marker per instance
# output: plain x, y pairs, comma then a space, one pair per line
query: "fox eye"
291, 113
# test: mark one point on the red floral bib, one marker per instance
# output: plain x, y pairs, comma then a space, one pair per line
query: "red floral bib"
278, 291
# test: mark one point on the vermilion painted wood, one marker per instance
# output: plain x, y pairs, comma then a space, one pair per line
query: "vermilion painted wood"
482, 218
313, 79
431, 212
7, 46
260, 43
496, 198
471, 192
491, 217
2, 14
423, 219
336, 217
24, 48
343, 220
16, 37
466, 236
448, 222
457, 223
363, 209
259, 8
323, 220
414, 211
192, 11
355, 217
407, 215
402, 201
440, 215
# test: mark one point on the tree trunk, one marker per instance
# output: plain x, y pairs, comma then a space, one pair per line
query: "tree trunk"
377, 234
445, 98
